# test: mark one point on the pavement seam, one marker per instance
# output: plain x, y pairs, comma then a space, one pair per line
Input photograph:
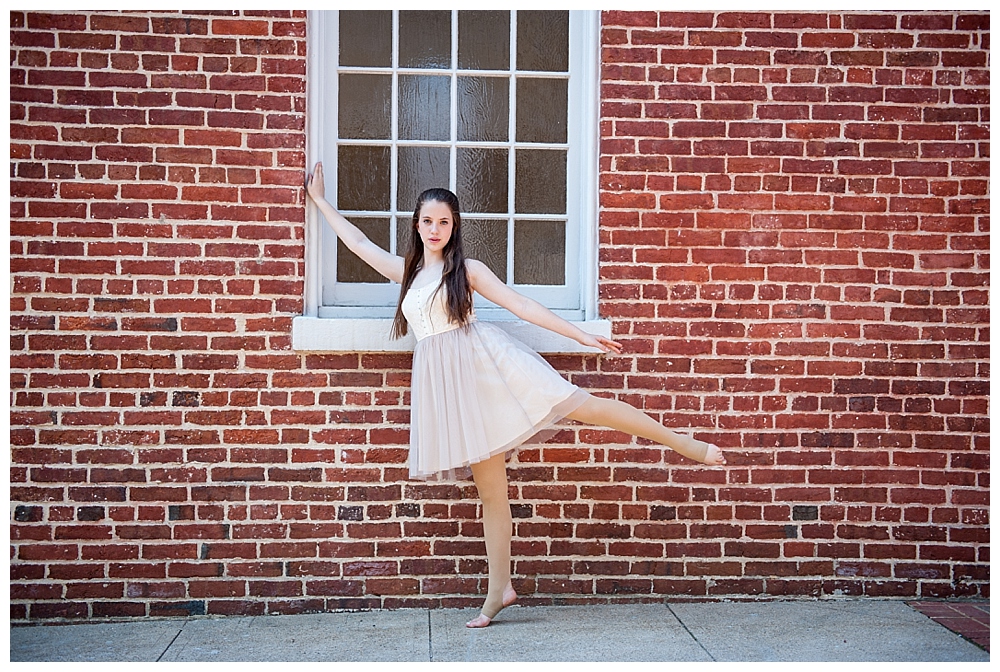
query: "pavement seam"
164, 652
688, 630
430, 639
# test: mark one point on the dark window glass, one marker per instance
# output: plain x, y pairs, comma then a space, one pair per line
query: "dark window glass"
425, 39
366, 39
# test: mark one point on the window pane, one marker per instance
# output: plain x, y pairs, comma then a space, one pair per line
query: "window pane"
362, 178
366, 39
539, 252
483, 104
404, 231
425, 39
350, 268
365, 106
484, 40
540, 181
543, 41
424, 107
486, 240
541, 109
482, 179
419, 168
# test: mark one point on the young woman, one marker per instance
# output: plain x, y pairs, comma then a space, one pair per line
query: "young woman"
476, 392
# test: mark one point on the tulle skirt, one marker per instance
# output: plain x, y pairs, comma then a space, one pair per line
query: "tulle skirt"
477, 392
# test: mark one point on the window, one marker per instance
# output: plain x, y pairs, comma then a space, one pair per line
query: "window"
498, 106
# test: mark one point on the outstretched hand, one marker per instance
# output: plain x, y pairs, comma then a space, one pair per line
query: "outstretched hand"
315, 186
601, 343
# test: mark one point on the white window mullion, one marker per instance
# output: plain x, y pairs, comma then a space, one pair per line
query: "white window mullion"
453, 129
318, 127
437, 71
582, 175
394, 133
511, 128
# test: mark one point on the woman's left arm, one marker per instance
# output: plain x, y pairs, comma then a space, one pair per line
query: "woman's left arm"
489, 285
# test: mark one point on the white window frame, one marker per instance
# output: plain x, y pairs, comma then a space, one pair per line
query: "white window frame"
366, 328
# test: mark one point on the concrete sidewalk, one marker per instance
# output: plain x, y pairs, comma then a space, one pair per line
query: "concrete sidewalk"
833, 630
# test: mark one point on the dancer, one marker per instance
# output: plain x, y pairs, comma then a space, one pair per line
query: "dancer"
476, 392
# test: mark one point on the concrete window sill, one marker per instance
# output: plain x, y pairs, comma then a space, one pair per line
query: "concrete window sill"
316, 334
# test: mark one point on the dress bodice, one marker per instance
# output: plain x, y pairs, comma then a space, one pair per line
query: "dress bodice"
426, 310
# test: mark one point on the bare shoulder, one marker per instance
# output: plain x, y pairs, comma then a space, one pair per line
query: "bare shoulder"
478, 273
475, 267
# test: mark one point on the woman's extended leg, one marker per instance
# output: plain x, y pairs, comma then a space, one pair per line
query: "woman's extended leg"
623, 417
491, 481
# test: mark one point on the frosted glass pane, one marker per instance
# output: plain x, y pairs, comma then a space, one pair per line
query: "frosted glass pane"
543, 41
539, 252
366, 39
482, 179
483, 105
365, 106
424, 107
484, 40
425, 39
540, 181
404, 228
486, 240
362, 178
350, 268
541, 110
420, 168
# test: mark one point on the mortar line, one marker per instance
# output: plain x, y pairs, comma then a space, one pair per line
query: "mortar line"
688, 630
160, 657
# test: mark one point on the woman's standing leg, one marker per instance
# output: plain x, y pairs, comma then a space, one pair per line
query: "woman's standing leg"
629, 419
491, 481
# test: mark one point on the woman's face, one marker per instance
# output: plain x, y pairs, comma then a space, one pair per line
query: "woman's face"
435, 225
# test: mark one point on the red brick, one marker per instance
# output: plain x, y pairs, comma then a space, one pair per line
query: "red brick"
694, 164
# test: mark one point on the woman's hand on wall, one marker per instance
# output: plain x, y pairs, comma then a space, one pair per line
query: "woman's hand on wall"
315, 186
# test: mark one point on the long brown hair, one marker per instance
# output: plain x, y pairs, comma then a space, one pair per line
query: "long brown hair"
458, 291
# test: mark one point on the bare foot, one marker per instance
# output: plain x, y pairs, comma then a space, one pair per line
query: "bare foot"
482, 620
714, 456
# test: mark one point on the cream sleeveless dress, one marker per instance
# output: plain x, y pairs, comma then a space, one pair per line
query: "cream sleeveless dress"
476, 392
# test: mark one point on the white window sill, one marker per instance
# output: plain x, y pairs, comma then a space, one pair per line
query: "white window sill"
319, 334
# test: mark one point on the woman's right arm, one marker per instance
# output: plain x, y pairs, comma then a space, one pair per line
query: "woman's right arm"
389, 265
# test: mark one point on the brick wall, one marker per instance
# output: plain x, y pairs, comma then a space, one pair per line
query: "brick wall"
794, 239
